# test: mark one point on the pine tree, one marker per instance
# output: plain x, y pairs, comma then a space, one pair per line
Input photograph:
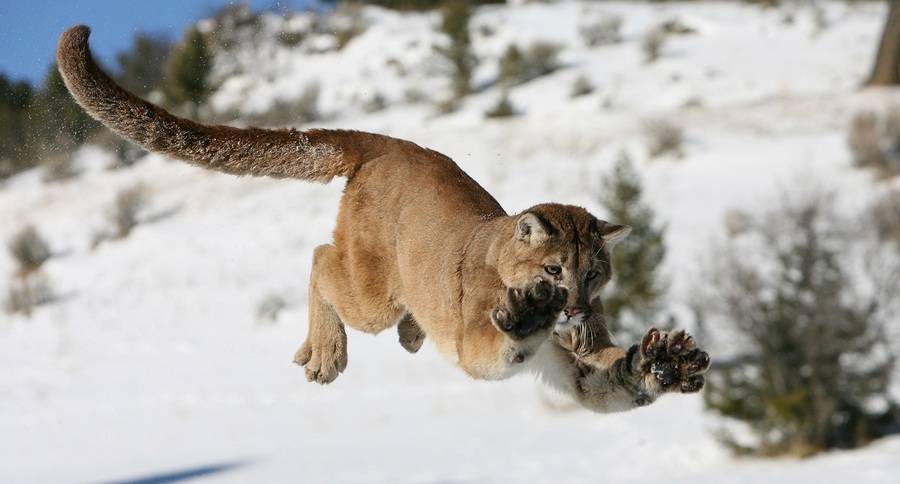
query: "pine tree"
503, 109
141, 68
510, 67
58, 123
516, 66
187, 71
39, 125
459, 54
15, 105
633, 297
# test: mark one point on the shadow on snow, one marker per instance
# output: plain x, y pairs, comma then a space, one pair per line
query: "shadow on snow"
183, 474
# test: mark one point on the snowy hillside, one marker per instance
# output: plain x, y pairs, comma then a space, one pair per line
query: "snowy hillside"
153, 362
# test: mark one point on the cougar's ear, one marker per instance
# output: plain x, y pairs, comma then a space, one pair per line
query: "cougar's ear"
530, 229
613, 233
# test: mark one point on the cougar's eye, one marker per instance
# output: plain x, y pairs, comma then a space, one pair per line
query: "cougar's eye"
591, 274
553, 270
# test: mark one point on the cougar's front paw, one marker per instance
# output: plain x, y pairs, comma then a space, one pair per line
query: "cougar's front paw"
674, 360
531, 308
323, 362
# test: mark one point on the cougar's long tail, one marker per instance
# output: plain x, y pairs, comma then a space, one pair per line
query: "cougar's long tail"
315, 155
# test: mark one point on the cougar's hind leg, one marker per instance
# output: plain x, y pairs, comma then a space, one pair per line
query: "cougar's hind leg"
324, 353
411, 335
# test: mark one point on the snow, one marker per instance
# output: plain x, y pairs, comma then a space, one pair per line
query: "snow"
152, 361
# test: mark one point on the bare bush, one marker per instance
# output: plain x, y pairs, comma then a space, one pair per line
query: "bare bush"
891, 130
487, 30
58, 167
652, 44
291, 38
581, 87
874, 141
541, 58
663, 136
29, 249
306, 107
127, 153
864, 141
503, 109
677, 27
736, 222
414, 95
517, 66
301, 110
27, 292
885, 217
374, 103
820, 19
269, 307
127, 206
447, 105
601, 29
347, 22
765, 3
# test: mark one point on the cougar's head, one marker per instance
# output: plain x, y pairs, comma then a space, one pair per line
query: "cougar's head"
568, 246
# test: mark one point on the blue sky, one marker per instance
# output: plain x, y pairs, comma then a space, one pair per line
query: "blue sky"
29, 29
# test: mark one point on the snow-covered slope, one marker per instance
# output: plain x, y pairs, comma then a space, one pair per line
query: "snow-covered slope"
152, 360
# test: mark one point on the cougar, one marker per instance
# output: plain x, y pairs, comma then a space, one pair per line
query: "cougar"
420, 245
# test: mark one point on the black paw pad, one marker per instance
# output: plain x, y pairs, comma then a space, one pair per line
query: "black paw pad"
663, 372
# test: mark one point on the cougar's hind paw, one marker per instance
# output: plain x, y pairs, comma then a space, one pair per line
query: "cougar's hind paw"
323, 363
411, 334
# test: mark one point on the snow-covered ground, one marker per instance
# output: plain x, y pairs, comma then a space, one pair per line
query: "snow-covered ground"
152, 362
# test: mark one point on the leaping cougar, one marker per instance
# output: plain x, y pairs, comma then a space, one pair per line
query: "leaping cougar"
420, 245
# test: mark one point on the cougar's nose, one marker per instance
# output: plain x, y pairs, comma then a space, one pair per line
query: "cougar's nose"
572, 311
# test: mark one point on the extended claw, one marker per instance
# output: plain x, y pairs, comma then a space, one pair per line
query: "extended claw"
500, 317
515, 300
541, 290
651, 339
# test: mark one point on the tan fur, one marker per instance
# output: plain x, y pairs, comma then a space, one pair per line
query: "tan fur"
420, 245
